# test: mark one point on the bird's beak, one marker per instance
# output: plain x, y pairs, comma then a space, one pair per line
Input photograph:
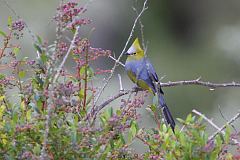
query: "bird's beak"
126, 53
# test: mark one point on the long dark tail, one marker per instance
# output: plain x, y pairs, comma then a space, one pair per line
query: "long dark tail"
167, 114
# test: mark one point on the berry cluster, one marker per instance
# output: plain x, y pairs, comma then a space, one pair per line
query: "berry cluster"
78, 22
68, 15
83, 48
18, 27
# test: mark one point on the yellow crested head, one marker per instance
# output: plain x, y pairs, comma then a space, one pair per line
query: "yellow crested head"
135, 52
137, 46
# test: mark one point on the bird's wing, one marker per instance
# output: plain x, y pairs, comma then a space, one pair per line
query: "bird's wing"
151, 70
152, 73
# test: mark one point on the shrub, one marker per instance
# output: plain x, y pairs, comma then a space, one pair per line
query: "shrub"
54, 114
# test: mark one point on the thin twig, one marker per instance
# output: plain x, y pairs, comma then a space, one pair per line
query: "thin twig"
7, 40
44, 155
123, 51
219, 130
66, 56
182, 128
210, 85
116, 61
85, 80
144, 141
120, 82
105, 103
224, 126
206, 119
141, 29
219, 108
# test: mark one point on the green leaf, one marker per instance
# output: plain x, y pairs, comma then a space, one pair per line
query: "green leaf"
3, 33
227, 134
169, 156
2, 98
25, 58
39, 104
110, 112
218, 141
83, 113
2, 109
180, 120
164, 128
86, 69
122, 139
22, 105
81, 93
2, 76
89, 99
29, 115
105, 153
9, 21
38, 82
16, 50
21, 74
153, 108
14, 119
39, 39
103, 120
118, 112
132, 131
38, 48
73, 134
44, 58
37, 149
73, 30
189, 118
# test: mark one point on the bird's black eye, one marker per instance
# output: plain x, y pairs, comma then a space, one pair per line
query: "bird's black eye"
134, 53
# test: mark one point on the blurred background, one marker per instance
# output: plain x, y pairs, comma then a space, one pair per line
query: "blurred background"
186, 40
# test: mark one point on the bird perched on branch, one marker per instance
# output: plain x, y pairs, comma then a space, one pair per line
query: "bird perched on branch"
142, 73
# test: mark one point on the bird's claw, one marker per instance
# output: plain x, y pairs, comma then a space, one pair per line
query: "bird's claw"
136, 89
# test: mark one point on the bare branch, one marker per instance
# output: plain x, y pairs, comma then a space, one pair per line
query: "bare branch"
116, 61
208, 120
44, 154
224, 126
169, 84
105, 103
219, 130
123, 51
66, 56
210, 85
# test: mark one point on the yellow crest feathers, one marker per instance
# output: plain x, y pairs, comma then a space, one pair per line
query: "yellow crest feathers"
136, 45
135, 51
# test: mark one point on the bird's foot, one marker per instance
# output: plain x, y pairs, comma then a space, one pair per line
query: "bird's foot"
137, 89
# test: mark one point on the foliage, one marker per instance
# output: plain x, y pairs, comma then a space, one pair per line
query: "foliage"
51, 119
